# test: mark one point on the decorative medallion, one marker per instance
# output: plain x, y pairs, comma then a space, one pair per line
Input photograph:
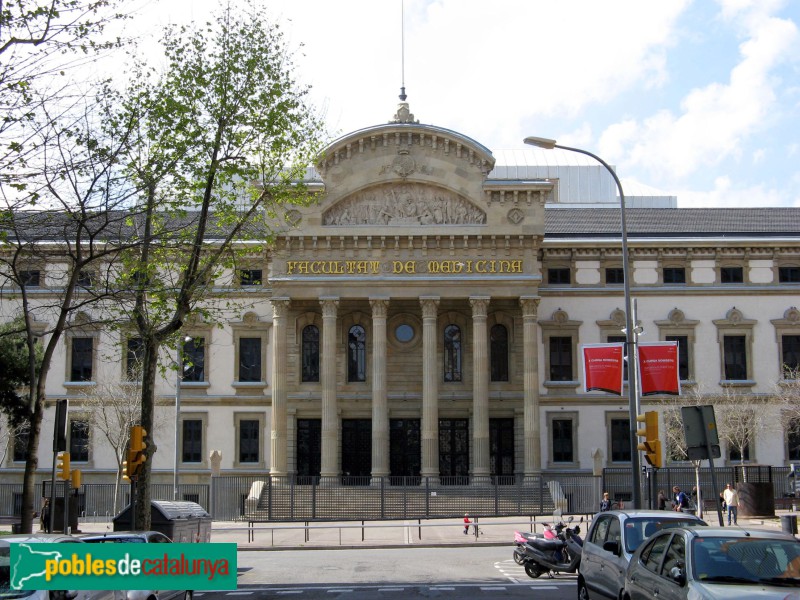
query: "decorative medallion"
403, 164
515, 216
293, 217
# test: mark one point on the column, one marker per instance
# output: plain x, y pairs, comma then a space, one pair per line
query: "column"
278, 437
380, 406
430, 389
532, 426
329, 466
480, 388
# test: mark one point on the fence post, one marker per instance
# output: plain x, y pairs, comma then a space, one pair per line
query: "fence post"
383, 498
496, 497
427, 497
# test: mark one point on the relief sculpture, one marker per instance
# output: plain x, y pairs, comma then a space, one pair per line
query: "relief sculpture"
409, 204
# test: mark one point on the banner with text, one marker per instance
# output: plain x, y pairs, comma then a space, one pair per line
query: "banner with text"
603, 367
658, 368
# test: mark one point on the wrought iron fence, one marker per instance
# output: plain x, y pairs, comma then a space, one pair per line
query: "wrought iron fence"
235, 497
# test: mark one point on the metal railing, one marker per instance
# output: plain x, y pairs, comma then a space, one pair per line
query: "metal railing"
228, 497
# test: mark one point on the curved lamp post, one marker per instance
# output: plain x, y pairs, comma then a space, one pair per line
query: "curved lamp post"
630, 333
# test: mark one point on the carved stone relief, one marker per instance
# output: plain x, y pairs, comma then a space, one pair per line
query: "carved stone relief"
405, 204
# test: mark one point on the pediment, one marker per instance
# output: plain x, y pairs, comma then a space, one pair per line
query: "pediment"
403, 205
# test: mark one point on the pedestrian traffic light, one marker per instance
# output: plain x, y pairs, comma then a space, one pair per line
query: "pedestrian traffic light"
650, 445
62, 465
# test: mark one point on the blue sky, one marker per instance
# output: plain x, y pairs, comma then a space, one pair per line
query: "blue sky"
699, 99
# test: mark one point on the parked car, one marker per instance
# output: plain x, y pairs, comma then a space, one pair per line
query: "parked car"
715, 562
611, 541
139, 537
6, 593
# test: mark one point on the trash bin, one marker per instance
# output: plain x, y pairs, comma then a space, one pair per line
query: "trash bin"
182, 522
16, 528
789, 524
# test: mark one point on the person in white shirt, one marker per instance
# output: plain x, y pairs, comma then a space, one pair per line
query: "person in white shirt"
731, 499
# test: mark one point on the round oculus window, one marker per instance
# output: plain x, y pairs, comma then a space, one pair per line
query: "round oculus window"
404, 333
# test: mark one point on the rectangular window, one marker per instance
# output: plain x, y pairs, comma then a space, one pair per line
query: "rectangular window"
735, 349
560, 358
78, 441
30, 279
793, 440
620, 440
248, 441
562, 440
194, 360
615, 275
731, 274
249, 359
250, 277
192, 441
789, 274
790, 348
673, 275
683, 354
85, 279
82, 353
20, 445
559, 276
133, 359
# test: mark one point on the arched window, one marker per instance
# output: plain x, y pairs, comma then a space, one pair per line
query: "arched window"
498, 352
452, 353
310, 353
357, 354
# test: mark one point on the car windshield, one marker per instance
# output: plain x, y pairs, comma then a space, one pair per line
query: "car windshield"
638, 529
746, 560
116, 540
5, 577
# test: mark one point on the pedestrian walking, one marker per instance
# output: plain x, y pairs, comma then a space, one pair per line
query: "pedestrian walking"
466, 523
662, 500
605, 503
731, 499
681, 499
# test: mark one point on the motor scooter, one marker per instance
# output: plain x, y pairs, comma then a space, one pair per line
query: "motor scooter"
520, 539
560, 555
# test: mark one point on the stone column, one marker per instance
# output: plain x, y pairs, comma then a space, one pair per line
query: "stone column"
430, 389
278, 437
532, 427
480, 387
380, 407
329, 464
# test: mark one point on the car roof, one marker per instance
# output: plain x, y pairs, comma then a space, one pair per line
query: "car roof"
736, 532
38, 537
113, 534
661, 514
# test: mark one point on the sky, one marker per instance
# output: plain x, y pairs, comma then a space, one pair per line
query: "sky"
698, 99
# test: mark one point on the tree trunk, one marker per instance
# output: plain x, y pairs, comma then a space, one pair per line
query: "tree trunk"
141, 512
31, 466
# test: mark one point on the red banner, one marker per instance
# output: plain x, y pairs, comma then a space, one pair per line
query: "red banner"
603, 367
658, 368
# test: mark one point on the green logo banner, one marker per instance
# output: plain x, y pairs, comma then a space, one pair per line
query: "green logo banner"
207, 566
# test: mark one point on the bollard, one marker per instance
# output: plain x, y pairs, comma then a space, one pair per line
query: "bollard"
789, 524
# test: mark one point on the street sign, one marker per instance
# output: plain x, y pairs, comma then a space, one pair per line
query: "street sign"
700, 431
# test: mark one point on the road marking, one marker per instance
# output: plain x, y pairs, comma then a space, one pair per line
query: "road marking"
339, 590
290, 592
398, 589
441, 588
239, 594
493, 588
545, 587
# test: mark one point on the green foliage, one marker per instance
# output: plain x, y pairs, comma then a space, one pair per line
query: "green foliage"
15, 367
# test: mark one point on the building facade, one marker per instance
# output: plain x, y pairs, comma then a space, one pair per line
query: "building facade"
425, 317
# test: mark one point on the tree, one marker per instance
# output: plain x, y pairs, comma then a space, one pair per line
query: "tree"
41, 41
787, 393
224, 135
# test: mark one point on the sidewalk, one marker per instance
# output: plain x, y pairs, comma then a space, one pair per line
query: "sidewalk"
495, 531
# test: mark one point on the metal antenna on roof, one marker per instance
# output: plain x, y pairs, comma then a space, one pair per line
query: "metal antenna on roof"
402, 53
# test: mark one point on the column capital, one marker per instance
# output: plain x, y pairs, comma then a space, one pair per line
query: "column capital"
280, 306
430, 305
530, 306
480, 305
379, 306
329, 305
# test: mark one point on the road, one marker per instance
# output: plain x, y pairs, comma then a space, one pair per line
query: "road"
463, 572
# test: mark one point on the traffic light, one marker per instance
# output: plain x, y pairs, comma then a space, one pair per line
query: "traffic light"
136, 455
63, 465
650, 445
76, 479
126, 474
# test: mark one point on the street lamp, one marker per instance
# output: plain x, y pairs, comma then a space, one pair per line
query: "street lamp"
630, 333
178, 380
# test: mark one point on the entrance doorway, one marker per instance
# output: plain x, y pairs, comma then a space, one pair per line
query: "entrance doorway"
356, 451
309, 450
405, 455
501, 450
454, 451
